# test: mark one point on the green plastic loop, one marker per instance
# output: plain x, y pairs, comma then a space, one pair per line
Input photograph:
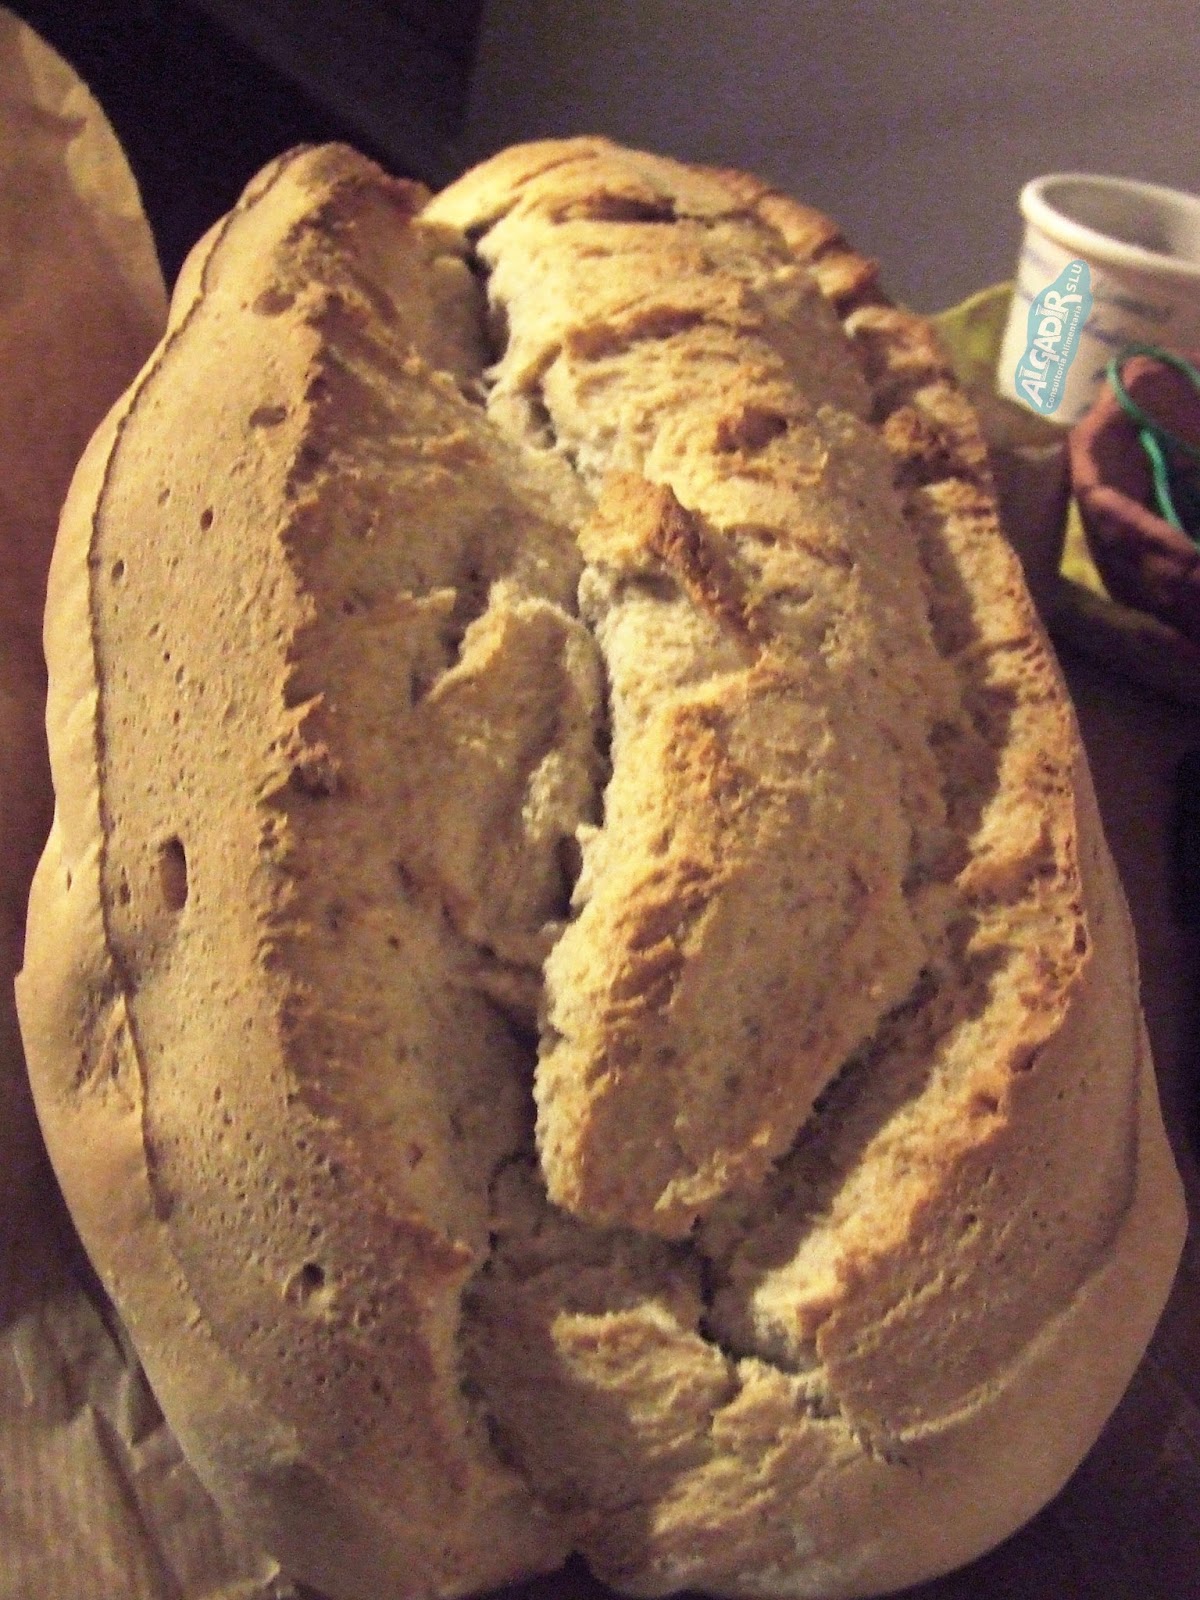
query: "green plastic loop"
1174, 461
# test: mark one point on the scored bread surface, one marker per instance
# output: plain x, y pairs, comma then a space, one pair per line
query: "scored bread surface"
576, 991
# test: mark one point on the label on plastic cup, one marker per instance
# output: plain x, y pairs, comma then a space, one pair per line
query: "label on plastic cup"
1056, 321
1104, 263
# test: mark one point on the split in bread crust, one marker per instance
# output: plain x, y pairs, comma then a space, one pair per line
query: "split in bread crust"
576, 933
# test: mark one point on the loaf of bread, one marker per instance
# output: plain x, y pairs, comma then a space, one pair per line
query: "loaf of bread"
576, 991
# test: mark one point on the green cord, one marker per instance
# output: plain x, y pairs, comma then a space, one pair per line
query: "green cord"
1176, 485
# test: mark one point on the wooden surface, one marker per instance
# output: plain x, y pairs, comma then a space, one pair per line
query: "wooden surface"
1127, 1526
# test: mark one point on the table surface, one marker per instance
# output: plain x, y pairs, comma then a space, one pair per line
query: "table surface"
1127, 1526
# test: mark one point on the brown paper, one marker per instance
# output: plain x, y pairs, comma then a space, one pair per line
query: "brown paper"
96, 1502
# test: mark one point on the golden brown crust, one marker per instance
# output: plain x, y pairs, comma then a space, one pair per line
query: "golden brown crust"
833, 979
248, 1178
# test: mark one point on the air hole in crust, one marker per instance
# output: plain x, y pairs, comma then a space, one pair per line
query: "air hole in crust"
569, 860
268, 416
173, 873
496, 330
273, 302
306, 1282
751, 429
604, 207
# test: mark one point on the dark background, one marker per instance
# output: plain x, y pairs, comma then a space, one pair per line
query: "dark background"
202, 93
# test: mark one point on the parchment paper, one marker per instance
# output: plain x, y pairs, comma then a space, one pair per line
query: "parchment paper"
95, 1500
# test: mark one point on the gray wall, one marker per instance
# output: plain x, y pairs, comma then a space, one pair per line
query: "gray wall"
914, 125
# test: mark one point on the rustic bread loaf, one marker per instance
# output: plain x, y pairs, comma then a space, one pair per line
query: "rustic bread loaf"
576, 991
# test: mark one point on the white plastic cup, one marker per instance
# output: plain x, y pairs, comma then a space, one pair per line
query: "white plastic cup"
1106, 262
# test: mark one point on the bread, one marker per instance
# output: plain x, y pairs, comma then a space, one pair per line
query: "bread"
576, 992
